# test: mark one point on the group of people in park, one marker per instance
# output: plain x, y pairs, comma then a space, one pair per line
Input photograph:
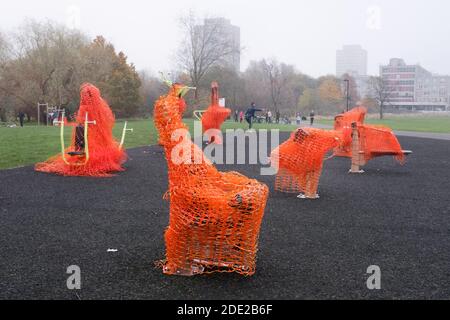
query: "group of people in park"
250, 115
50, 118
239, 116
299, 118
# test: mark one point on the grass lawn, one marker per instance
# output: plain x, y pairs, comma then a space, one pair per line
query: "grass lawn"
31, 144
419, 124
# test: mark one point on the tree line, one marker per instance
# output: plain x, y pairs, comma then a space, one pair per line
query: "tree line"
44, 62
47, 63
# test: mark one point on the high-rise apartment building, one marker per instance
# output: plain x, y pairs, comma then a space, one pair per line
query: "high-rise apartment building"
351, 59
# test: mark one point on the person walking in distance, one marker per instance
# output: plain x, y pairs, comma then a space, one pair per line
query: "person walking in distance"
21, 117
311, 116
250, 114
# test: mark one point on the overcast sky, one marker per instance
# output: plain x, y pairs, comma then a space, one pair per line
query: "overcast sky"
304, 33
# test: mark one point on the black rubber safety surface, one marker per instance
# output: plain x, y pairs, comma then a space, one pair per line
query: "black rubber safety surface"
395, 217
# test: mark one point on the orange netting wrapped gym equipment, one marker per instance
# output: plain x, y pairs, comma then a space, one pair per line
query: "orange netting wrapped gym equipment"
214, 116
299, 160
343, 123
363, 142
376, 141
215, 217
93, 151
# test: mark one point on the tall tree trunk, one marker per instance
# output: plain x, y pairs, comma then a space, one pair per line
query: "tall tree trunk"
196, 84
381, 111
196, 96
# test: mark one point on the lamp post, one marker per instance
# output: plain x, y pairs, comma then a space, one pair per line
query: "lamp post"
348, 92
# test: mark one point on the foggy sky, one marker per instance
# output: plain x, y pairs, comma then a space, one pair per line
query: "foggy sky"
304, 33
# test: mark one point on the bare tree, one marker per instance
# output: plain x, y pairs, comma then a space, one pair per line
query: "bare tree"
4, 56
42, 65
48, 62
275, 85
4, 49
9, 95
255, 88
278, 77
152, 88
381, 92
204, 47
273, 74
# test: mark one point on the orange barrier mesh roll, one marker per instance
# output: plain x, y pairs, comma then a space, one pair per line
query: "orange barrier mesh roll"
376, 141
105, 156
215, 217
215, 115
343, 123
300, 159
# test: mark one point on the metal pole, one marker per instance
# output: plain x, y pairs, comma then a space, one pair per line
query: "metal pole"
348, 93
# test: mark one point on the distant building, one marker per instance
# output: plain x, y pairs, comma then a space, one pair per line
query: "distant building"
225, 30
413, 88
351, 59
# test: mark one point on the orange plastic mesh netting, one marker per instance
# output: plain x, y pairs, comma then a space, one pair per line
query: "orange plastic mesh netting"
105, 155
215, 217
343, 123
214, 116
376, 141
300, 159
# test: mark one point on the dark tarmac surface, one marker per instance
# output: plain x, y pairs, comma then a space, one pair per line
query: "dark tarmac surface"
392, 216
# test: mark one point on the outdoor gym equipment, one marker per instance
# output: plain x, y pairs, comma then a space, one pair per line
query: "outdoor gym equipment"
93, 150
57, 112
124, 132
343, 123
198, 114
215, 217
213, 118
362, 142
369, 142
81, 146
299, 160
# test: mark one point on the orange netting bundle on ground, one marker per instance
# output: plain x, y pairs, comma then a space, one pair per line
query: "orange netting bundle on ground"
214, 116
343, 123
377, 141
102, 155
215, 217
300, 159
